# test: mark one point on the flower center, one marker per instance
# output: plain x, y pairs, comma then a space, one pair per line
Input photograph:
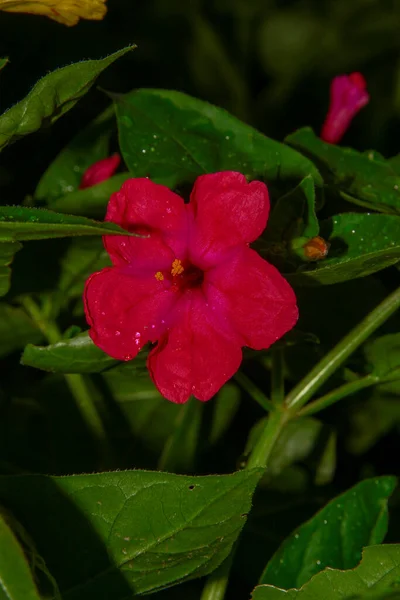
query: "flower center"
183, 276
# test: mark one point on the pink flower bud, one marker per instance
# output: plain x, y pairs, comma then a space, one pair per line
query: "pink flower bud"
348, 94
100, 171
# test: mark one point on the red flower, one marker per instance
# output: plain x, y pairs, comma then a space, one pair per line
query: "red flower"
100, 171
193, 285
348, 94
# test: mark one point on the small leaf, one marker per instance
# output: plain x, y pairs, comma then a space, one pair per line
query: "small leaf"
172, 138
130, 531
376, 577
335, 536
64, 174
7, 252
76, 355
91, 201
383, 356
361, 244
3, 63
51, 97
21, 223
16, 579
16, 329
365, 179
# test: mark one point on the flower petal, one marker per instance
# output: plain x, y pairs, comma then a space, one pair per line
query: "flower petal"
228, 211
125, 311
195, 357
258, 302
142, 206
100, 171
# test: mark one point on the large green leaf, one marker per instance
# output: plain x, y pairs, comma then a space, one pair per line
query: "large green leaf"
335, 536
111, 534
377, 577
75, 355
21, 223
361, 244
16, 580
51, 97
173, 138
65, 172
7, 252
383, 356
366, 179
16, 329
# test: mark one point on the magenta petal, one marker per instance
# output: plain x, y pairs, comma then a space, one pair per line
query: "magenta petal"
195, 357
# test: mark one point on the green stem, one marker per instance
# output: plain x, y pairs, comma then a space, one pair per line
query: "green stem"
341, 392
254, 391
262, 450
217, 582
75, 382
277, 378
186, 414
306, 388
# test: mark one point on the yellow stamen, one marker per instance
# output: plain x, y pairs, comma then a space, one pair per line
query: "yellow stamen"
159, 276
177, 268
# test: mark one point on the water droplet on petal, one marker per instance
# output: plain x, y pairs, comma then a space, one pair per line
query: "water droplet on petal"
117, 332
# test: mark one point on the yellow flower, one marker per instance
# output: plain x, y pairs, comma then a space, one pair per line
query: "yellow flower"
67, 12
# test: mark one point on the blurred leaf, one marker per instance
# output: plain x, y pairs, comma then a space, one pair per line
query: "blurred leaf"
20, 223
16, 329
377, 577
3, 63
16, 579
117, 533
76, 355
326, 466
365, 179
7, 252
225, 406
51, 97
172, 138
371, 419
91, 201
361, 244
295, 442
84, 256
383, 356
65, 172
335, 536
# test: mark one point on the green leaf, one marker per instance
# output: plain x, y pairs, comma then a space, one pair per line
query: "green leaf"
115, 534
76, 355
293, 215
225, 407
16, 329
64, 174
377, 576
335, 536
84, 256
371, 419
91, 201
383, 356
51, 97
173, 138
21, 223
16, 580
7, 252
3, 63
361, 244
365, 179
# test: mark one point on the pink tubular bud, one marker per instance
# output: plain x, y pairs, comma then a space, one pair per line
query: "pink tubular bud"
348, 94
100, 171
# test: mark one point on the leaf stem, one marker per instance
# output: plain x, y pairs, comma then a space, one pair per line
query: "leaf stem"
341, 392
76, 382
217, 582
250, 387
305, 389
277, 378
